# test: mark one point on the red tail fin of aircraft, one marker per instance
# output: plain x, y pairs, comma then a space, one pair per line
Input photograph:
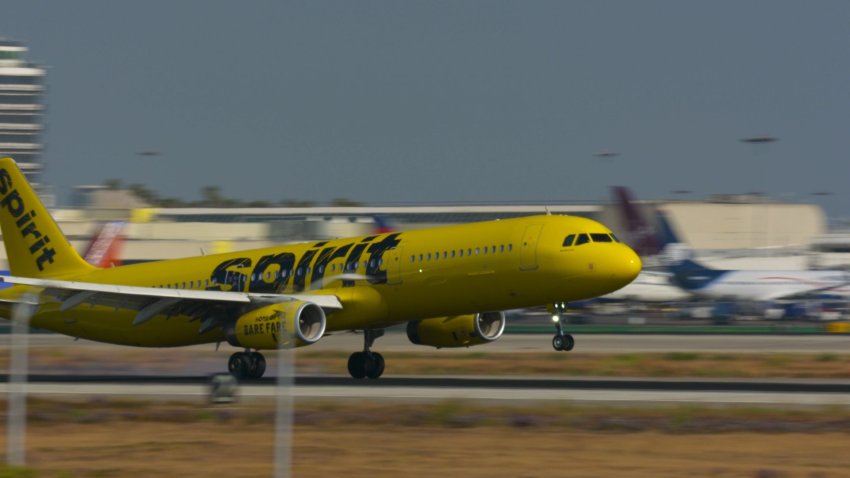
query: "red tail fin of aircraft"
104, 250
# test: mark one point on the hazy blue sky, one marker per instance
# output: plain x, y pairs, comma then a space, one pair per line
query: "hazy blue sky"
445, 101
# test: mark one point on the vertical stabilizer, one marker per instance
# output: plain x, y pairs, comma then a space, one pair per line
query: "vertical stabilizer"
35, 246
641, 234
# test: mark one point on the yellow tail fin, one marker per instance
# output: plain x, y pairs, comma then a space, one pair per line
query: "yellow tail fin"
34, 243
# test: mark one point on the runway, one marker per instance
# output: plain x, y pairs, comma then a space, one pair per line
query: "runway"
134, 372
519, 343
579, 390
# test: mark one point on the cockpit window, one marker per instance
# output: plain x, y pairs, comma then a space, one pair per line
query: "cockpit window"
614, 237
582, 239
569, 240
598, 237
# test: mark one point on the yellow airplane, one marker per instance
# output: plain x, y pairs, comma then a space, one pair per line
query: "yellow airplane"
448, 283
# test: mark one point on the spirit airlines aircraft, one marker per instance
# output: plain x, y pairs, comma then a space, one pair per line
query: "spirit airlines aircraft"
447, 283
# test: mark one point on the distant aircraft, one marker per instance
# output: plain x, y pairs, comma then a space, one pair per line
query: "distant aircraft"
746, 285
382, 224
759, 139
104, 250
642, 236
449, 284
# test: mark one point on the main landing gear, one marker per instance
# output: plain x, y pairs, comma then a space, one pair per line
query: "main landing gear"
367, 363
247, 365
561, 341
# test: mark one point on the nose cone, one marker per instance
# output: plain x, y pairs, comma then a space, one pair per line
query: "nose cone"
630, 265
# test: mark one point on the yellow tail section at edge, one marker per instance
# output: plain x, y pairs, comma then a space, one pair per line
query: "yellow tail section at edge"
34, 243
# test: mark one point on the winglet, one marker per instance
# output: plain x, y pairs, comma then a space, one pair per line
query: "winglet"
34, 243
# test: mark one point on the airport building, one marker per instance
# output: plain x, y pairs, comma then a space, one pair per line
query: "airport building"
740, 225
21, 109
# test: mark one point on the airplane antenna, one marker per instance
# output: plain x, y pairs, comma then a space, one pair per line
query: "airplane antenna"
203, 252
548, 212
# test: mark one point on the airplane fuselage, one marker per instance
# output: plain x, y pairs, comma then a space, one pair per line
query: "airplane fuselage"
382, 280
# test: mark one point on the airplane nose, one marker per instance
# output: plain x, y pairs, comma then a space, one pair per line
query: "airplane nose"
631, 265
626, 266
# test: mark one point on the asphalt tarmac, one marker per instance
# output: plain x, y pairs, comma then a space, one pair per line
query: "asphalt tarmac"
584, 390
518, 343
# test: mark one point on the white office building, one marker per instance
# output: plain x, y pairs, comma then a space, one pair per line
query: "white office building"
21, 109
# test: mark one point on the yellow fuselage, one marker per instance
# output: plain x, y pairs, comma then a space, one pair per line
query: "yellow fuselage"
380, 280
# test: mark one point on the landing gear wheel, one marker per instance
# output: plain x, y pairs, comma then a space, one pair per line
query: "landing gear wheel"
367, 363
563, 342
357, 365
569, 343
247, 365
240, 365
258, 365
375, 365
558, 342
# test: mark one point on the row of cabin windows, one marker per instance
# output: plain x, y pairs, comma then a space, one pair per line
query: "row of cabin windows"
579, 239
460, 253
197, 284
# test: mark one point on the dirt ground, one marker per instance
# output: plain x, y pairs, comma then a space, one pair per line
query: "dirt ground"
129, 439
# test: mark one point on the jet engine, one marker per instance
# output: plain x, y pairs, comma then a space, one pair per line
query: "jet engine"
286, 324
457, 330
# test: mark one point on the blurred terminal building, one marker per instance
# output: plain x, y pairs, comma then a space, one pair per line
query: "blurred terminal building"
748, 231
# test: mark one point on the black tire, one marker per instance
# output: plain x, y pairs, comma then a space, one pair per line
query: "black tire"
258, 365
569, 343
357, 365
375, 366
558, 342
239, 365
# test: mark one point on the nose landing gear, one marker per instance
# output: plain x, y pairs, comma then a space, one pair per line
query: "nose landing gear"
561, 341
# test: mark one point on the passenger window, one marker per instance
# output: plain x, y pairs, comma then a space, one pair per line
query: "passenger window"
569, 240
600, 237
501, 248
453, 253
510, 247
582, 239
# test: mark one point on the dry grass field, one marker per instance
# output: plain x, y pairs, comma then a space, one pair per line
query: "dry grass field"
131, 439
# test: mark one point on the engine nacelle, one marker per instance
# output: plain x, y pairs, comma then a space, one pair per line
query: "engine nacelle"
263, 328
457, 330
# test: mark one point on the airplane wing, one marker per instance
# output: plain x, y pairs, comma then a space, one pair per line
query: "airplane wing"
150, 301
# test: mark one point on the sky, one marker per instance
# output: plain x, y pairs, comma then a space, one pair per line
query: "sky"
436, 102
